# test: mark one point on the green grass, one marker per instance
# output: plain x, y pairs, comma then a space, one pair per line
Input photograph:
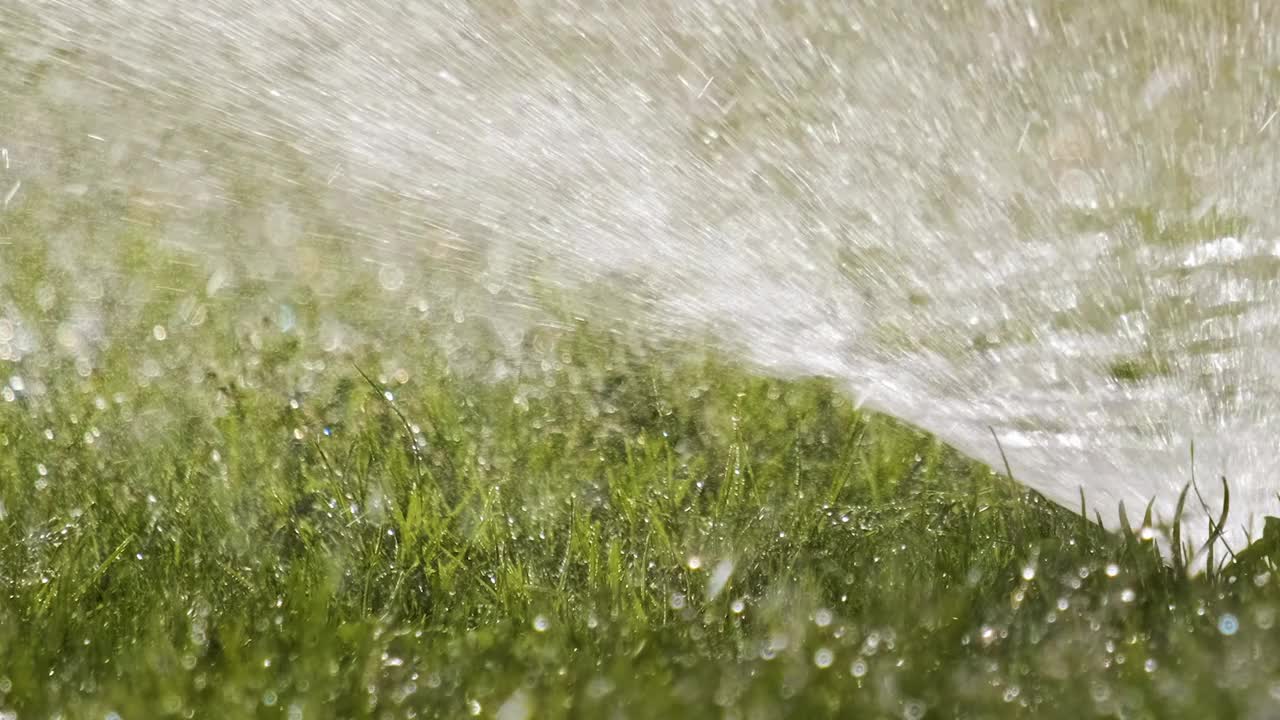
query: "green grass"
211, 508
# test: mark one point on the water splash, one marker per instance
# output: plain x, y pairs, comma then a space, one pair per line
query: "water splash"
1052, 221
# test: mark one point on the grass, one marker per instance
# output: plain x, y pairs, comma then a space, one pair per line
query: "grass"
263, 501
602, 532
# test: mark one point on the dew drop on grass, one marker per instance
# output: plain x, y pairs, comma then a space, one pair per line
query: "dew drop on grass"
1127, 595
823, 658
473, 707
1028, 573
1112, 570
694, 562
858, 668
540, 624
737, 606
822, 618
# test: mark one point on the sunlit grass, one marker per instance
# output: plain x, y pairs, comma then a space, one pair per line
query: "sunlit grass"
261, 501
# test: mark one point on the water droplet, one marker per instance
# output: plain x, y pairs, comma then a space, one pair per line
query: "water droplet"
1028, 573
516, 707
823, 658
391, 278
1112, 570
1077, 188
871, 644
822, 617
858, 668
473, 707
677, 601
159, 333
540, 624
1127, 595
737, 606
720, 575
1228, 624
694, 562
988, 634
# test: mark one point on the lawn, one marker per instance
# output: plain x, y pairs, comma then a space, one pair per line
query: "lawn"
250, 498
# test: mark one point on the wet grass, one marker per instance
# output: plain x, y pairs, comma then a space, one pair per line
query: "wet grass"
249, 499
